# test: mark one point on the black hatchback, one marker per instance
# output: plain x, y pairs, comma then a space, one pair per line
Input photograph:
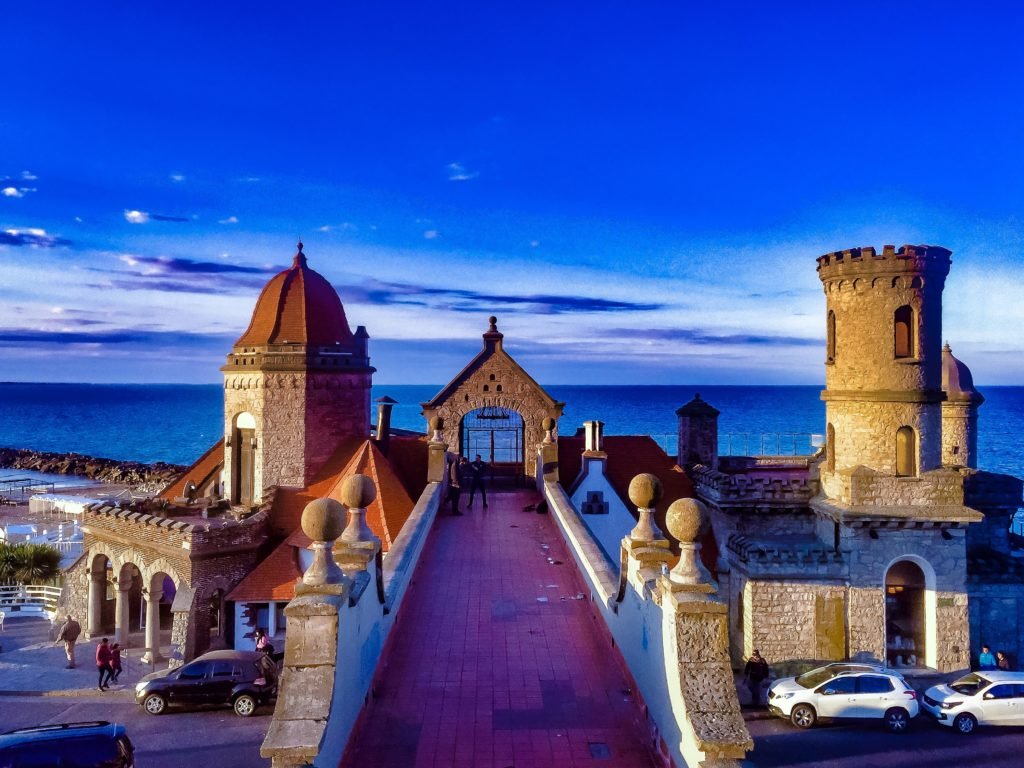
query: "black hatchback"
243, 680
69, 745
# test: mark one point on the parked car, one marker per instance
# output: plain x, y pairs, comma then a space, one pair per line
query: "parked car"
857, 691
244, 680
992, 697
69, 745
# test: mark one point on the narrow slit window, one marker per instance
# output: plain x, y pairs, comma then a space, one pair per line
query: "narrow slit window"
904, 332
906, 452
830, 335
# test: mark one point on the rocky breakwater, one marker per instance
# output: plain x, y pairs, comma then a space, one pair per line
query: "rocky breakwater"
147, 478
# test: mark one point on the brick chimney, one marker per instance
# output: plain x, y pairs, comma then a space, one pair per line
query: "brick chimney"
593, 436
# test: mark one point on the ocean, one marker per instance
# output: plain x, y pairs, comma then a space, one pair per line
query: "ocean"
177, 423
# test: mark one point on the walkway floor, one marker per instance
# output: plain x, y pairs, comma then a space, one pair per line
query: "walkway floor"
498, 660
30, 663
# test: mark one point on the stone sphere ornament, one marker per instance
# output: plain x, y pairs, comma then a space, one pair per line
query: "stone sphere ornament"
687, 520
323, 519
645, 490
358, 492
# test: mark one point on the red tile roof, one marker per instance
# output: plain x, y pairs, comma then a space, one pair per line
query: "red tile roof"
199, 473
272, 579
298, 306
628, 456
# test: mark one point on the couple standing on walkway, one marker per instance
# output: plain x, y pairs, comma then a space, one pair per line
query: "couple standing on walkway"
462, 473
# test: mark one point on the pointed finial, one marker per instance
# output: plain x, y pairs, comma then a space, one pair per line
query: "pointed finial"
494, 323
300, 245
300, 257
947, 348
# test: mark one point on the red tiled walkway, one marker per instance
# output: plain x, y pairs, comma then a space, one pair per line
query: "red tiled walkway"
497, 661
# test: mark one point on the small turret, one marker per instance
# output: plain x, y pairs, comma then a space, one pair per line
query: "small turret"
959, 413
698, 433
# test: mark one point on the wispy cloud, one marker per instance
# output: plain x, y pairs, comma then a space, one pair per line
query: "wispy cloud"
431, 234
459, 172
458, 300
29, 337
168, 265
178, 178
703, 337
9, 190
345, 226
33, 237
229, 220
29, 176
133, 216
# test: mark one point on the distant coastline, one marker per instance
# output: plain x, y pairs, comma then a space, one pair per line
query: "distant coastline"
129, 473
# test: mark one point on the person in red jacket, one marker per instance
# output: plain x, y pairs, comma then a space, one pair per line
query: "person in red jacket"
103, 664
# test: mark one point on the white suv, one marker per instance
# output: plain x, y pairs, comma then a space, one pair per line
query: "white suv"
992, 697
863, 691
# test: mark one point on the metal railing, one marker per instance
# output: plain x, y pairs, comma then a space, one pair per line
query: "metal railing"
753, 443
29, 599
769, 443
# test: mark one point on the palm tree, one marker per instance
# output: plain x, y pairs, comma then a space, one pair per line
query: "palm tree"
28, 563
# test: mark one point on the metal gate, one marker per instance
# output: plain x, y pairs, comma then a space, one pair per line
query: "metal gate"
497, 435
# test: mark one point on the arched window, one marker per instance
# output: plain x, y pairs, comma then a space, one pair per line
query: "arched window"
906, 452
830, 448
905, 337
830, 338
243, 451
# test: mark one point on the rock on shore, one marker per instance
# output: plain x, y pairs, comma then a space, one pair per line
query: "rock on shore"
148, 477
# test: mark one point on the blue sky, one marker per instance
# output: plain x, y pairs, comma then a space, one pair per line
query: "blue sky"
638, 193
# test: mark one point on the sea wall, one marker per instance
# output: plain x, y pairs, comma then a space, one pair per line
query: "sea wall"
151, 477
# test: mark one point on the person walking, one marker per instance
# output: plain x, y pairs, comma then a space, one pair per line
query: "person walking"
454, 485
478, 473
1003, 661
68, 634
115, 663
985, 659
755, 673
103, 664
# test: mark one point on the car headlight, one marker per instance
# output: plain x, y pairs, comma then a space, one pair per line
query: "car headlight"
950, 704
141, 686
789, 695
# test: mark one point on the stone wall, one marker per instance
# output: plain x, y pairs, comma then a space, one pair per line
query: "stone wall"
785, 620
944, 564
865, 433
997, 618
960, 434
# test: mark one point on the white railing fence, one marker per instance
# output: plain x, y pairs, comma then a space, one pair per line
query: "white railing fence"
29, 600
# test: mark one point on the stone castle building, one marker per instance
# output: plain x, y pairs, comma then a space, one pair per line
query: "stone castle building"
885, 544
888, 544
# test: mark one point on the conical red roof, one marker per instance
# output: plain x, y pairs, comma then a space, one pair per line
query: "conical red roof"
298, 306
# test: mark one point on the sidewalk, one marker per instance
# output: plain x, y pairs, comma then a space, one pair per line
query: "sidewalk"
31, 665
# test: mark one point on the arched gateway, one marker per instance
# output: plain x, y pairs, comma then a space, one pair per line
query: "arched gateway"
495, 408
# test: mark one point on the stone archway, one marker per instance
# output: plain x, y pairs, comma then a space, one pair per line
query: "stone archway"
910, 620
493, 379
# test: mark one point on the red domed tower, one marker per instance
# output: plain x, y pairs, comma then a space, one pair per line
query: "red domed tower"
296, 384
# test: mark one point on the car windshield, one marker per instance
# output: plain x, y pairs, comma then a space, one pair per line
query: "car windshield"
969, 684
817, 676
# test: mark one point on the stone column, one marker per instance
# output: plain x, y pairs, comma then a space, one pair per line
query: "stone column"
152, 655
646, 545
696, 631
271, 618
548, 455
97, 595
436, 452
121, 613
306, 689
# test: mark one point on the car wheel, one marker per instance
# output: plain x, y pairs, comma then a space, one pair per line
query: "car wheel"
154, 704
803, 716
897, 720
245, 705
965, 723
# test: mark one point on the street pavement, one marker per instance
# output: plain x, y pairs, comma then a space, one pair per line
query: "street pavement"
867, 745
36, 689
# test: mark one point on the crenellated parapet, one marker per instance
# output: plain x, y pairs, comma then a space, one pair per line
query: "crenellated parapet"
931, 260
803, 560
742, 491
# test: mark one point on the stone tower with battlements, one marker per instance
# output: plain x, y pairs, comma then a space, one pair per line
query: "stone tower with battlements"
883, 365
296, 384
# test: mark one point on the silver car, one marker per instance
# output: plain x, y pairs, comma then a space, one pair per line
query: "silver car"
991, 697
856, 691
